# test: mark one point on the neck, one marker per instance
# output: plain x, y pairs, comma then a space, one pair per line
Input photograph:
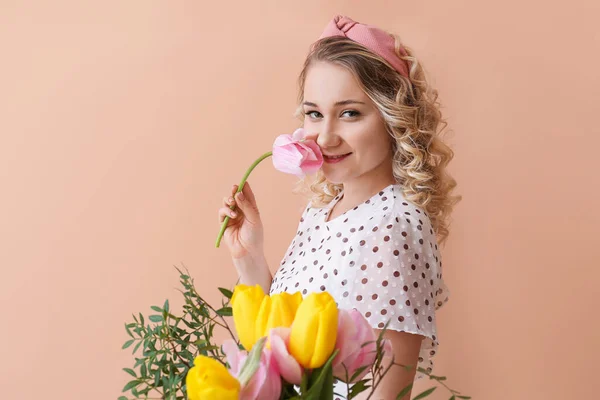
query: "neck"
364, 187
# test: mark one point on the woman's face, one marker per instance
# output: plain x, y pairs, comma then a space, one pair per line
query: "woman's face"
343, 120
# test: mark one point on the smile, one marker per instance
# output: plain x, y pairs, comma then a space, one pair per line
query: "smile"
335, 159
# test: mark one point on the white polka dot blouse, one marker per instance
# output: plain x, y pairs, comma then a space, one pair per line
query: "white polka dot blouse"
381, 258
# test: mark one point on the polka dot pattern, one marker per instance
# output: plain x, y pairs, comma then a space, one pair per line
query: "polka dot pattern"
380, 257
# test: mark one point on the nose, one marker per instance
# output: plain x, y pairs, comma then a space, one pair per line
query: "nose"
325, 136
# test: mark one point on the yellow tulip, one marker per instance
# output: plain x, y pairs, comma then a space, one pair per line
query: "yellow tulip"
209, 379
314, 331
245, 304
275, 311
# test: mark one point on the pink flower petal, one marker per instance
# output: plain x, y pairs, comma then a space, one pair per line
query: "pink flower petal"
299, 134
233, 354
314, 158
265, 384
354, 350
344, 342
289, 368
254, 386
288, 159
271, 389
294, 155
283, 140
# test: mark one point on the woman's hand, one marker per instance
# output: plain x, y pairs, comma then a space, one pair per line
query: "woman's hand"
244, 235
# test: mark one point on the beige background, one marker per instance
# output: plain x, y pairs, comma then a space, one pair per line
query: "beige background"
124, 123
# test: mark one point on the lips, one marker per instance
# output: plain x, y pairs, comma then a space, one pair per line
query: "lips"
336, 157
335, 160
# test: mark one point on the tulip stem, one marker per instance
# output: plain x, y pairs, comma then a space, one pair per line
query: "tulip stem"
239, 189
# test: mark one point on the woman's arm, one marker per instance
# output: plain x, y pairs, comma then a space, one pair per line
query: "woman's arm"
406, 347
253, 270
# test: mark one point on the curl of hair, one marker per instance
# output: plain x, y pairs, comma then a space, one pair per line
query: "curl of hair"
411, 111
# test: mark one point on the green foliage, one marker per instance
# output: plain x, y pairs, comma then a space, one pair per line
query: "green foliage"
321, 382
164, 348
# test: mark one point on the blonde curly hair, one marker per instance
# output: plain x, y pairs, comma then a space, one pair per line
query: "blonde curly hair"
411, 111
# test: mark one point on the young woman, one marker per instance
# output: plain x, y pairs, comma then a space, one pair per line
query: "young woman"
380, 203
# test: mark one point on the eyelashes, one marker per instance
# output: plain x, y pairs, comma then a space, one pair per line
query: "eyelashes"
356, 113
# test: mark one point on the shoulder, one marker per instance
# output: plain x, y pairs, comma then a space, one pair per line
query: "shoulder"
404, 232
401, 215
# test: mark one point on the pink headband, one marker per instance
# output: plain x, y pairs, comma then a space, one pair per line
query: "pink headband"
375, 39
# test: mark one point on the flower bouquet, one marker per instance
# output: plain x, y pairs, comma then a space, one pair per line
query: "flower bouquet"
286, 347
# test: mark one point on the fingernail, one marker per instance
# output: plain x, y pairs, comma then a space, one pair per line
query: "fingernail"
233, 214
231, 199
241, 196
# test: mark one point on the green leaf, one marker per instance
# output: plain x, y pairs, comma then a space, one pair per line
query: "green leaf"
137, 346
358, 387
122, 398
131, 384
226, 293
327, 392
225, 312
166, 305
464, 397
130, 372
252, 362
156, 318
425, 393
205, 349
156, 308
128, 329
358, 372
127, 344
304, 383
404, 392
320, 384
156, 378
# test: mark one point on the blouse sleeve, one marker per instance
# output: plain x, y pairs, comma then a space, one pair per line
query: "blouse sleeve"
399, 278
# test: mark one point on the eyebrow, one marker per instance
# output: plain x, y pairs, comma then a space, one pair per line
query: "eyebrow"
339, 103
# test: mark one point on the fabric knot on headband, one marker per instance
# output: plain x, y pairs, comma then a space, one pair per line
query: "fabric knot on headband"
373, 38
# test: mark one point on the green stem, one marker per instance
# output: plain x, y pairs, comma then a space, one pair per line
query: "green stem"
239, 189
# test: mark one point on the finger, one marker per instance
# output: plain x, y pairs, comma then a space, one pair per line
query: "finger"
249, 210
226, 212
247, 190
229, 201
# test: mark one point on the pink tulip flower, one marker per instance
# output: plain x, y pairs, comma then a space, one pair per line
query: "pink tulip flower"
293, 154
353, 332
265, 384
288, 367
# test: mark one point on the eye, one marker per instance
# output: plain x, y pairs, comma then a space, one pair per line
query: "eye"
356, 113
311, 112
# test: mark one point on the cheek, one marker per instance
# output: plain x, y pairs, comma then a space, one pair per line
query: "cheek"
371, 142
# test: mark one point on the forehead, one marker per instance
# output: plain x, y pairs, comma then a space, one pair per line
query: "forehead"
327, 83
